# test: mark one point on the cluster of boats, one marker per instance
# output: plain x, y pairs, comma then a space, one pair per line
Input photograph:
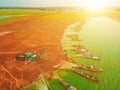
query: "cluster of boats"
86, 54
87, 75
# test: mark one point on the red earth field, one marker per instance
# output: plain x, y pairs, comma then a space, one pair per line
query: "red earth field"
30, 33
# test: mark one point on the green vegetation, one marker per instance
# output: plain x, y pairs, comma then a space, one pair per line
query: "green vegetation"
4, 12
11, 15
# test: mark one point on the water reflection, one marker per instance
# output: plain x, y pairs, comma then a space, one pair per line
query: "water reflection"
101, 35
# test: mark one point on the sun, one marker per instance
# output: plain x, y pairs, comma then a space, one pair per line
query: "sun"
95, 4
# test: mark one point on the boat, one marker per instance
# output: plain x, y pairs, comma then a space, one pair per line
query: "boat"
90, 68
86, 75
66, 85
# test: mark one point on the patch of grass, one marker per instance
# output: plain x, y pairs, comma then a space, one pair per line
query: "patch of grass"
4, 12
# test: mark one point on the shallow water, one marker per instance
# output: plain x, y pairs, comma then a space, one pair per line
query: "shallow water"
100, 35
9, 16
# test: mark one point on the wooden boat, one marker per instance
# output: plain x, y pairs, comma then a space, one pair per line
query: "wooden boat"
91, 68
86, 75
66, 85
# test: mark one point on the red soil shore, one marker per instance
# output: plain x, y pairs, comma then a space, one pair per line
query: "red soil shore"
30, 34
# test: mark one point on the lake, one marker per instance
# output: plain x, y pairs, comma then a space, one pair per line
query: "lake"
100, 35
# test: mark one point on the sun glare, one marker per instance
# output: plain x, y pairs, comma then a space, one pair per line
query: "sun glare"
95, 4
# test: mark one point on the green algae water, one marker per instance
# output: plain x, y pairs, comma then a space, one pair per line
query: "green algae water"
100, 35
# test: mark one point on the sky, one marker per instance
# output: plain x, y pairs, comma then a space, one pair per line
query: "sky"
55, 3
